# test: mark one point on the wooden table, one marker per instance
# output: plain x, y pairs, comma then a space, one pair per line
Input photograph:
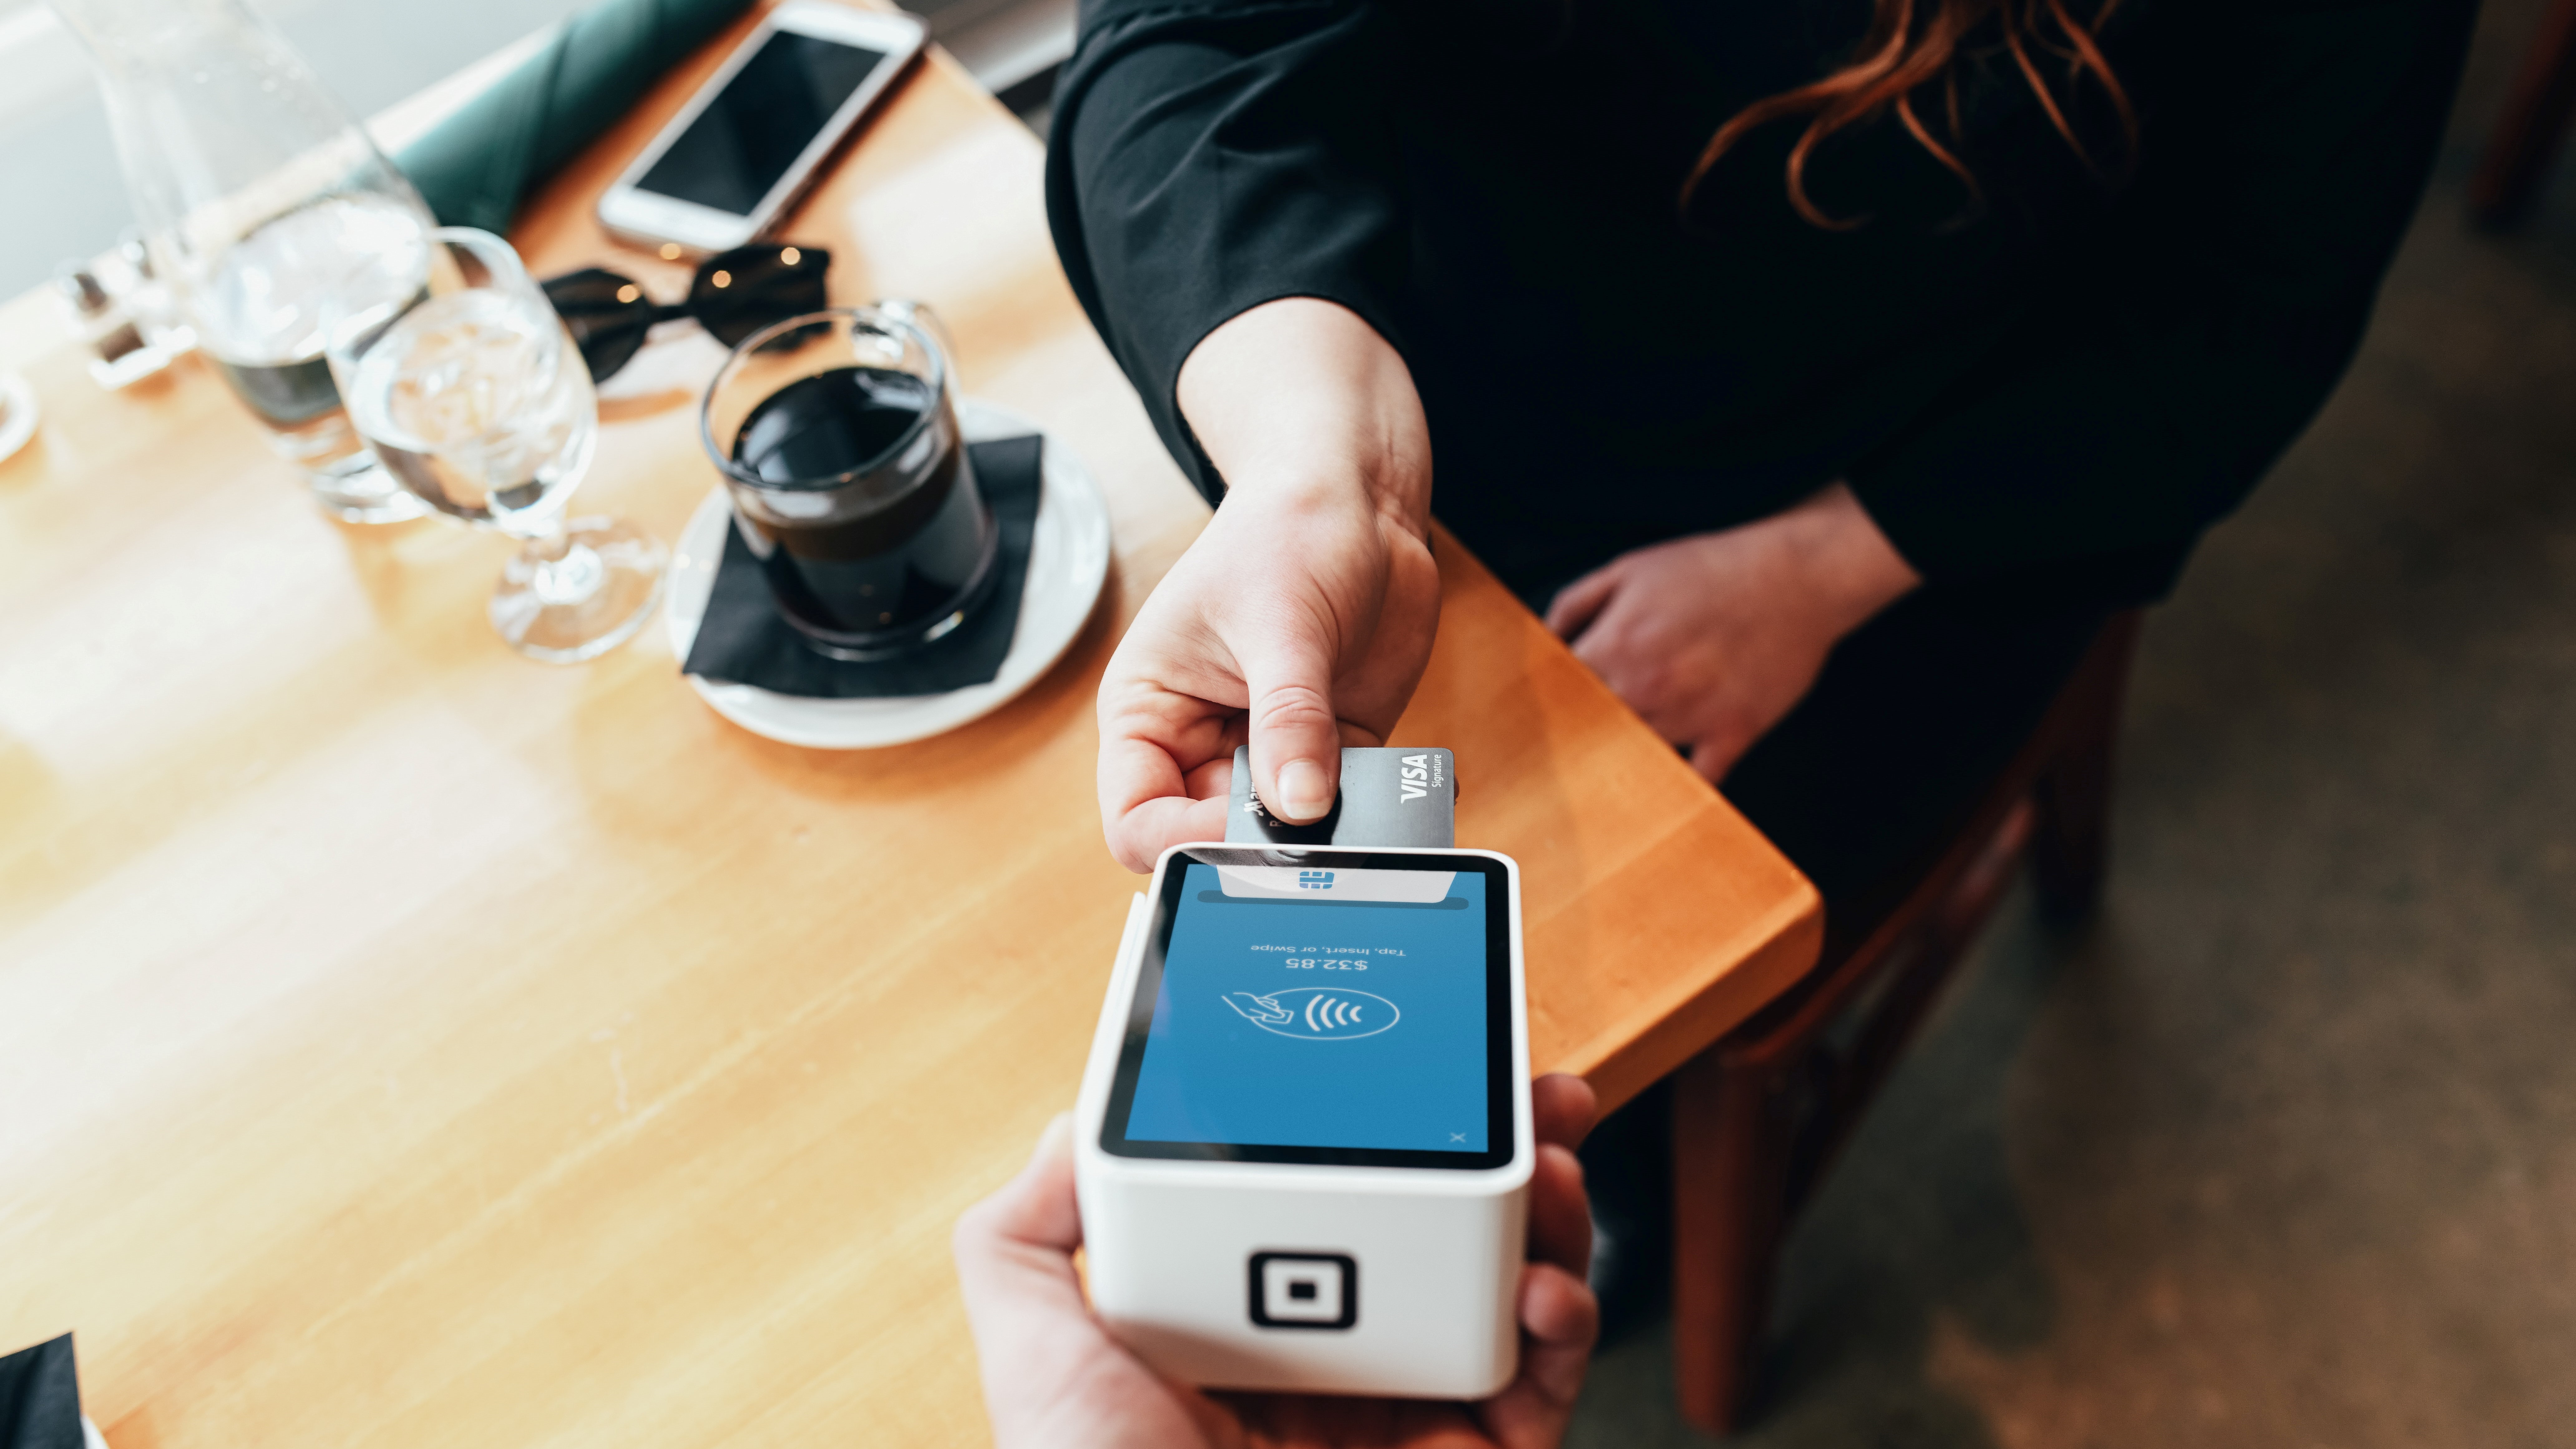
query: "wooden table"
401, 1042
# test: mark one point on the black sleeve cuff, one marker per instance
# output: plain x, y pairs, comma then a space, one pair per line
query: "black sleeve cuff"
1208, 158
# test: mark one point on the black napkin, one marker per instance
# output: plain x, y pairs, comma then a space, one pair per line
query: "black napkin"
40, 1398
742, 639
475, 165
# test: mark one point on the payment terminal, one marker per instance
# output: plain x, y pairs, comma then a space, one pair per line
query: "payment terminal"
1304, 1136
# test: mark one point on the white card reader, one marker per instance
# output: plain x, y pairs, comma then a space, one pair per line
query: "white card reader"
1304, 1138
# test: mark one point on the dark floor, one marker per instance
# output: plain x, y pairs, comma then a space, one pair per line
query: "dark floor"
2282, 1151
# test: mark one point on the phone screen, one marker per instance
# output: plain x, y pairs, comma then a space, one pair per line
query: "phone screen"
764, 118
1323, 1013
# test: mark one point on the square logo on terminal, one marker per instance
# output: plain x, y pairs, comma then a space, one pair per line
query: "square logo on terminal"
1305, 1290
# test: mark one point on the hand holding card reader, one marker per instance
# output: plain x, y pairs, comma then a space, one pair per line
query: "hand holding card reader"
1305, 1138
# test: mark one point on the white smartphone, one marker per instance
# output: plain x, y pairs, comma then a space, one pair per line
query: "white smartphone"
748, 143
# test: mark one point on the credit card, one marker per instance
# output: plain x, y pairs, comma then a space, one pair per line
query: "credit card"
1389, 797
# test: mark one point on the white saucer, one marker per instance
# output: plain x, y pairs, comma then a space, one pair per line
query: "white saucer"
1068, 563
17, 414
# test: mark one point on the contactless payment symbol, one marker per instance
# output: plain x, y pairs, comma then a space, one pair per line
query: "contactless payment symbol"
1316, 1013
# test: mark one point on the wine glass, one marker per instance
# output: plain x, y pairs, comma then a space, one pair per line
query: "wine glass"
473, 396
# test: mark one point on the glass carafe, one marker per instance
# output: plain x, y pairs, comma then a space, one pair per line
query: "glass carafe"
260, 196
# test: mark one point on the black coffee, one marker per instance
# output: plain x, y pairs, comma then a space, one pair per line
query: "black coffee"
896, 546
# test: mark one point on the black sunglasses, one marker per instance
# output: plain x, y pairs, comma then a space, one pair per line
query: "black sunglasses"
734, 294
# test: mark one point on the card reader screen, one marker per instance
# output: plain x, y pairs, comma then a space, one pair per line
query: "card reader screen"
1333, 1013
764, 118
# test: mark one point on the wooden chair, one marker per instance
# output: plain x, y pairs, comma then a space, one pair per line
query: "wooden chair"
2534, 121
1757, 1118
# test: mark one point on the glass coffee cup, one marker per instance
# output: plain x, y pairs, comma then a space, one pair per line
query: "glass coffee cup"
837, 436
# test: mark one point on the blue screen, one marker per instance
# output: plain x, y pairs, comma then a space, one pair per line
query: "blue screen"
1292, 1015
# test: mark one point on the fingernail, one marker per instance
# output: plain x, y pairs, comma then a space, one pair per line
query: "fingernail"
1302, 791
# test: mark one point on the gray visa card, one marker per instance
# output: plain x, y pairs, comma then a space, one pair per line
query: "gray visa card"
1389, 797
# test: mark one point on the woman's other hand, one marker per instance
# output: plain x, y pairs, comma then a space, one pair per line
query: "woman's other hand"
1054, 1377
1300, 621
1712, 639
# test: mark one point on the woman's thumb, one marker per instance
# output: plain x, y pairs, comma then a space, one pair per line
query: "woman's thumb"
1296, 739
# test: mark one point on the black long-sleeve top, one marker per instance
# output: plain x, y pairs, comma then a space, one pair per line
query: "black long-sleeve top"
2052, 386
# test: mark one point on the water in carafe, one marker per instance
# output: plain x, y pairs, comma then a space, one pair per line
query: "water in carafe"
260, 313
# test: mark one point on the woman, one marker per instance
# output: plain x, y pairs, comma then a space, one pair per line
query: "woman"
1826, 371
1729, 326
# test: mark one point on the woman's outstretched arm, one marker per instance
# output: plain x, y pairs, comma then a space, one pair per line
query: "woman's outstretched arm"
1301, 619
1220, 181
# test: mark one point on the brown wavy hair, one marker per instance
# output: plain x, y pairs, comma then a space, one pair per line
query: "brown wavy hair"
1914, 44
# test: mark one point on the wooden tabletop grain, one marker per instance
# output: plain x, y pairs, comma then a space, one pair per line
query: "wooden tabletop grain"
405, 1043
